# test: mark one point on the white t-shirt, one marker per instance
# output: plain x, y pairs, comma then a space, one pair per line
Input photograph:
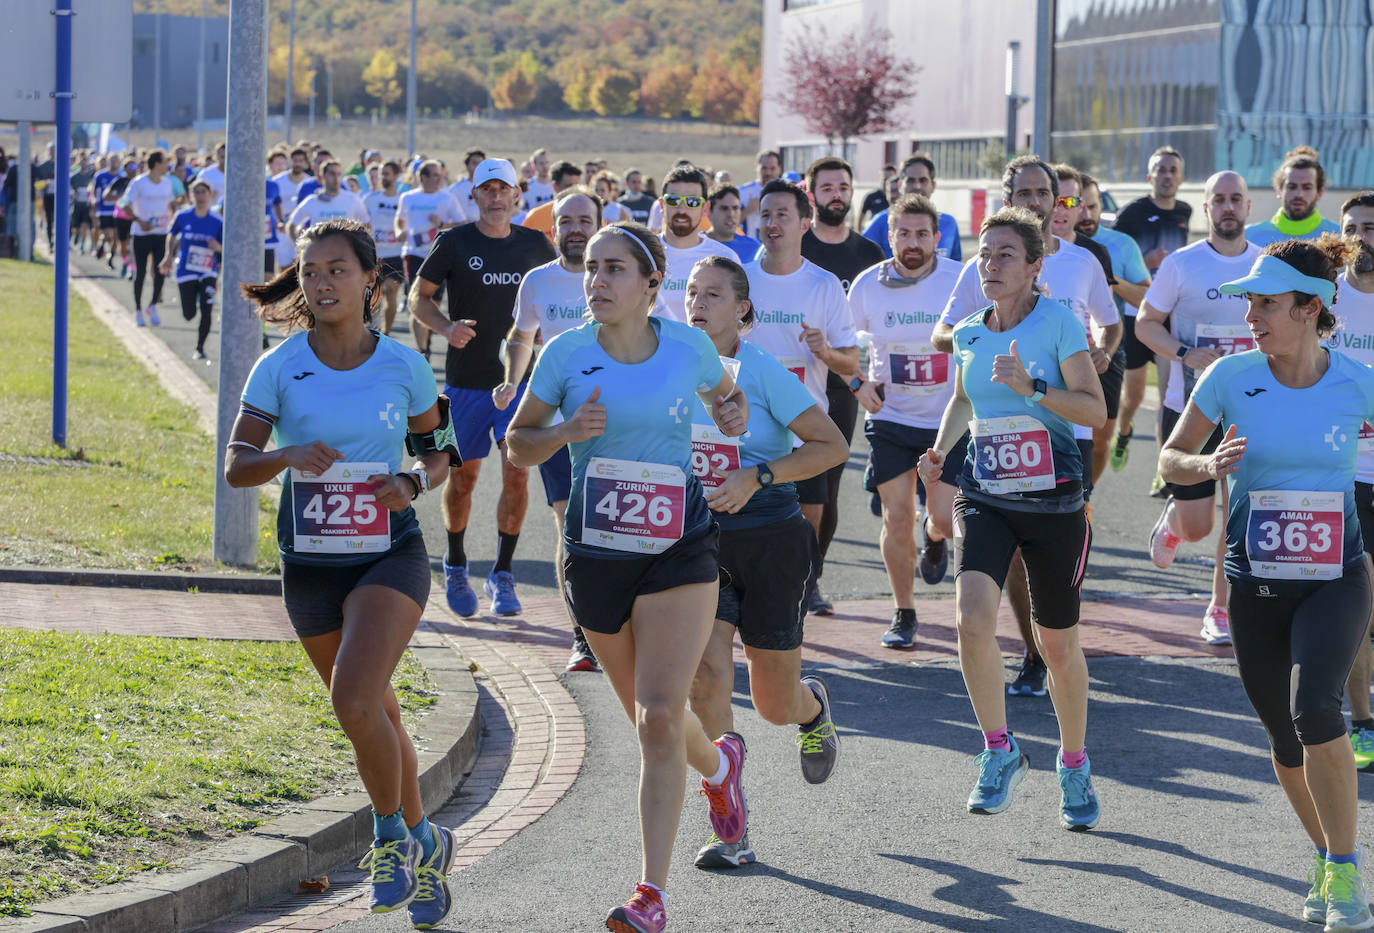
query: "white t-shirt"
1070, 275
151, 201
318, 207
462, 193
1354, 310
551, 300
381, 207
673, 291
614, 213
1186, 288
415, 209
213, 177
656, 216
536, 193
289, 189
919, 379
782, 303
748, 194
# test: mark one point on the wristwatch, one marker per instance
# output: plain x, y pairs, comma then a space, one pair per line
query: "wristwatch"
421, 479
855, 383
765, 476
1038, 389
1182, 350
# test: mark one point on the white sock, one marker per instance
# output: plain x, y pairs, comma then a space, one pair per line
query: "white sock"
722, 772
662, 894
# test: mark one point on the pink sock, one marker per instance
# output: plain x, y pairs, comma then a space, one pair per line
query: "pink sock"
999, 741
1075, 759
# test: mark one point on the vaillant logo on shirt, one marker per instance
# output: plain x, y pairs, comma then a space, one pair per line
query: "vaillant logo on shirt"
566, 312
892, 319
1353, 341
780, 317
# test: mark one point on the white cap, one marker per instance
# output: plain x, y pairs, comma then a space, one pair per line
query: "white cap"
497, 170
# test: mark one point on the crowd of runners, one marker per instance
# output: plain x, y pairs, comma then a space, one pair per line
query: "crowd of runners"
685, 365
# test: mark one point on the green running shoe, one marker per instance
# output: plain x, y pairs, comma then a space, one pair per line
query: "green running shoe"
1362, 741
1347, 899
1314, 908
1121, 452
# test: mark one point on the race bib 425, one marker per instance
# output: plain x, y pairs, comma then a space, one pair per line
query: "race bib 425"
335, 512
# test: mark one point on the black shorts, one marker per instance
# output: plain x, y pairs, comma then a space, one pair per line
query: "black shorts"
1111, 383
412, 267
1364, 510
765, 574
813, 491
124, 227
1189, 491
1137, 354
1054, 546
314, 595
601, 592
894, 448
108, 222
391, 267
81, 213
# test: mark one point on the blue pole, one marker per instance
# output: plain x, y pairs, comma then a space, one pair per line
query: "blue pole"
62, 214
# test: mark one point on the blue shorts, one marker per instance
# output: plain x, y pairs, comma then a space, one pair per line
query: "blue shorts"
556, 472
477, 420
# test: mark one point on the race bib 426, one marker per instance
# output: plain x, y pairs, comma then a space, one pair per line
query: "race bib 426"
632, 506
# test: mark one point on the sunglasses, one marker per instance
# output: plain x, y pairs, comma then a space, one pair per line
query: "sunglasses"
1069, 202
678, 200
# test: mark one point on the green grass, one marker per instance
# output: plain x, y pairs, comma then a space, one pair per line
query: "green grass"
122, 754
145, 497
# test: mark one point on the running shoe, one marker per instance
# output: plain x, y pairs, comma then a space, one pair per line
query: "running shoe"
998, 774
138, 319
1030, 682
934, 559
717, 854
1078, 807
199, 355
642, 913
1314, 908
392, 863
152, 316
1362, 742
729, 812
1347, 899
820, 747
1216, 626
1121, 453
500, 587
1163, 542
817, 604
902, 632
1158, 488
462, 599
432, 896
581, 658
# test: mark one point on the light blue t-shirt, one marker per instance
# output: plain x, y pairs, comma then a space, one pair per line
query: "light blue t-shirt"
361, 412
949, 246
1266, 232
648, 410
1296, 439
1128, 264
195, 258
1050, 334
776, 397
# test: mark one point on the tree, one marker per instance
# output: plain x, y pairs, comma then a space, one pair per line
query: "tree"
614, 92
514, 91
578, 91
379, 77
302, 76
715, 96
666, 90
847, 87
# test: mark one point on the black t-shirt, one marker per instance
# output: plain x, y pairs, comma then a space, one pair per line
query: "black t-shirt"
842, 260
1152, 227
1099, 251
639, 206
481, 275
875, 202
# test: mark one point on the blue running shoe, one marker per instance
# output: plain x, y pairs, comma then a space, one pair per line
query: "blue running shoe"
998, 775
500, 589
392, 863
433, 898
1078, 810
934, 559
462, 599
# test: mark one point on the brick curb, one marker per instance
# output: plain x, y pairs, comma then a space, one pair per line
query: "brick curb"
249, 584
269, 862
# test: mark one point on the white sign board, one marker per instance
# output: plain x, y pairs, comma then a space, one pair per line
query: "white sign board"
102, 61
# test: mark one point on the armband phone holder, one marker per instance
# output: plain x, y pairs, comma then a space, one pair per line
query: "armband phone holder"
443, 438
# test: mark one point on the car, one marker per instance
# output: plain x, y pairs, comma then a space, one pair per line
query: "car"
1109, 209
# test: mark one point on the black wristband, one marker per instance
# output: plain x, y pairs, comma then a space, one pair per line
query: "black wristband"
414, 482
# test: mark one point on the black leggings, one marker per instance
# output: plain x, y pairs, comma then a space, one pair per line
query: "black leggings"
1294, 649
844, 411
202, 292
154, 245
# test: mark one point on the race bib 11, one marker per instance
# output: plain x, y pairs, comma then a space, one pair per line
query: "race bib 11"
335, 512
917, 369
1296, 535
1011, 455
632, 506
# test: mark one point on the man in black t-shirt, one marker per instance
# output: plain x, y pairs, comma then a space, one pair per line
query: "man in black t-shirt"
875, 202
480, 265
635, 199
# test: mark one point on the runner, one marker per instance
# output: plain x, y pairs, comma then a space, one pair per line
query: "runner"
289, 185
899, 302
1300, 592
353, 608
1299, 184
213, 175
462, 188
315, 182
195, 239
104, 210
83, 172
114, 194
606, 186
1186, 318
767, 550
636, 199
550, 301
769, 167
565, 175
540, 187
1026, 494
1158, 222
641, 552
275, 221
421, 215
802, 318
876, 201
148, 201
918, 177
381, 203
684, 204
724, 213
329, 203
480, 266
